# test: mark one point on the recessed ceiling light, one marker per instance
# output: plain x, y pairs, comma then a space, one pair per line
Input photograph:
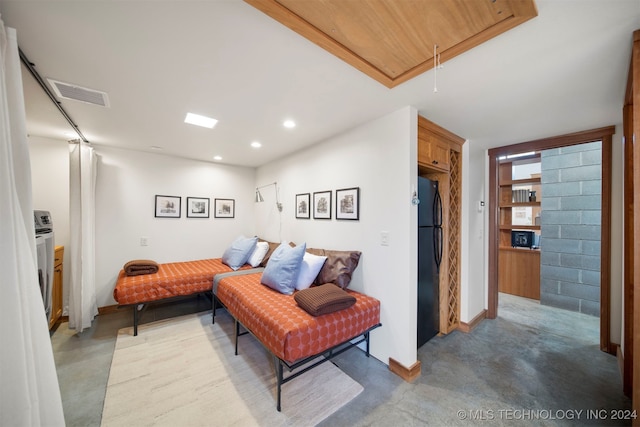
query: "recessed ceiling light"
198, 120
289, 124
156, 147
217, 158
256, 144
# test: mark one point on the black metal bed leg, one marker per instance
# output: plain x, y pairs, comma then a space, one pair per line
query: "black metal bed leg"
366, 336
135, 320
213, 310
237, 334
279, 369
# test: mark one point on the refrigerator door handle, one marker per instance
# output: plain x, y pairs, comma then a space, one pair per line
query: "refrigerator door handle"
437, 245
437, 209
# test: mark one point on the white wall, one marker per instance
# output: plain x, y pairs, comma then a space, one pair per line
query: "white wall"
50, 188
380, 158
127, 184
474, 224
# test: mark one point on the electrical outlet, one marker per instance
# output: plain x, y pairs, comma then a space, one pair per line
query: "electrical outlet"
144, 241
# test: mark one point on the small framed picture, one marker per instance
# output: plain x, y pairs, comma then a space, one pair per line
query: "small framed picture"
322, 205
224, 208
197, 207
348, 203
167, 206
303, 206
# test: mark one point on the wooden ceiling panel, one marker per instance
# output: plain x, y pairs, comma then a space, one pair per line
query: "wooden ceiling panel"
393, 41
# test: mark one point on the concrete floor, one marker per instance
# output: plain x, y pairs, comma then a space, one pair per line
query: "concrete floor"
531, 365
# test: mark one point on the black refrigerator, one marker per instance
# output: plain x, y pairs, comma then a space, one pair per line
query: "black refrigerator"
429, 257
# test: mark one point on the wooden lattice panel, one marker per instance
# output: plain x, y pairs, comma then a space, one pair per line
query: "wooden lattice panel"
453, 236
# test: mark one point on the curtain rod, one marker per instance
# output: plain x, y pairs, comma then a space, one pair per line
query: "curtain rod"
31, 67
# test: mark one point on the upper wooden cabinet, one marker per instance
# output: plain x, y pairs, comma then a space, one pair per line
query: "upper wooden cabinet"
434, 143
433, 153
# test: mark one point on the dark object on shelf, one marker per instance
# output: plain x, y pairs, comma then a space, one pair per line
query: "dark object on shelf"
522, 239
532, 196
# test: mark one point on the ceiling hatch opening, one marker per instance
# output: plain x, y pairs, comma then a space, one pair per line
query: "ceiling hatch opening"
79, 93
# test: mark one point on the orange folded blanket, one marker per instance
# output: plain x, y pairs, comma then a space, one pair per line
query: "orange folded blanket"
140, 266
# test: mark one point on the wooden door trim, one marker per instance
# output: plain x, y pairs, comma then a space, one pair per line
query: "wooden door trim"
605, 248
632, 290
628, 269
603, 134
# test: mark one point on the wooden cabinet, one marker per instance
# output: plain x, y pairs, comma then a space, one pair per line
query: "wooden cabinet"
56, 290
519, 272
433, 146
519, 268
433, 153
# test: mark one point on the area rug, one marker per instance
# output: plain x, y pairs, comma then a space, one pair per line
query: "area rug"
183, 372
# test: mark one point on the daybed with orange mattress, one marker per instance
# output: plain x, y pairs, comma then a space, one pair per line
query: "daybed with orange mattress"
172, 280
141, 282
290, 333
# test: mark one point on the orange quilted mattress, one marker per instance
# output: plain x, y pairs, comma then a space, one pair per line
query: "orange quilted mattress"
288, 331
171, 280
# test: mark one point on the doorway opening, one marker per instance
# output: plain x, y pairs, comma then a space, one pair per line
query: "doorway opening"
605, 136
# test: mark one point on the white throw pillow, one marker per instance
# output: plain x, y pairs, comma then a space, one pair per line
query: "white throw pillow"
309, 269
258, 254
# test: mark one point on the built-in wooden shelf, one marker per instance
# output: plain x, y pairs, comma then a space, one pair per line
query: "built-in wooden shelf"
511, 248
518, 204
510, 182
519, 227
518, 268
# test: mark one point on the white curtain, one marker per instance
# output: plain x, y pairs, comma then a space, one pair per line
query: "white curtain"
83, 305
29, 391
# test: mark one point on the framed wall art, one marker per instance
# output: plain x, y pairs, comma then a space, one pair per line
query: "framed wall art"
348, 203
167, 206
322, 205
303, 206
197, 207
224, 208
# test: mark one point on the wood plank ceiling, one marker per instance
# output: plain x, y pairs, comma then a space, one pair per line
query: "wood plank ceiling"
393, 41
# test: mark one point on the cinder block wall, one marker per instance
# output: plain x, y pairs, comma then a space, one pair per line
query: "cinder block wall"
570, 228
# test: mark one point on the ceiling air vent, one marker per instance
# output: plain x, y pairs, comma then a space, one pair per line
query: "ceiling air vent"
78, 93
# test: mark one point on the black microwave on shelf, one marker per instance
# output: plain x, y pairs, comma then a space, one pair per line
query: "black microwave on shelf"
523, 239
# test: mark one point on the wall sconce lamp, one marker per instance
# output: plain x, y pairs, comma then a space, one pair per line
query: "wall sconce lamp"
259, 197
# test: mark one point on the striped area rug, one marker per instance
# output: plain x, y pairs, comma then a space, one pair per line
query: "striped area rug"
183, 372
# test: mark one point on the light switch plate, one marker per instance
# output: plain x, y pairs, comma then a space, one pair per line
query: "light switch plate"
384, 238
